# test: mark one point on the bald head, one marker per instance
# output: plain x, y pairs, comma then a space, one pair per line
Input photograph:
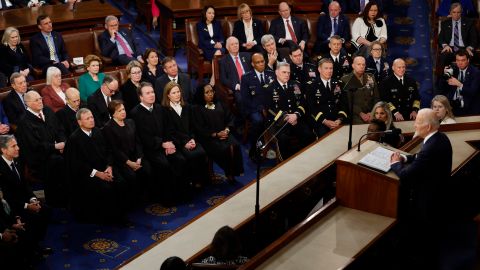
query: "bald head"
284, 10
73, 98
258, 62
358, 65
334, 9
399, 67
426, 122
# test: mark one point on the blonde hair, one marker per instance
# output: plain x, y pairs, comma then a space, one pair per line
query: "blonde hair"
8, 32
132, 64
444, 101
91, 58
242, 8
385, 107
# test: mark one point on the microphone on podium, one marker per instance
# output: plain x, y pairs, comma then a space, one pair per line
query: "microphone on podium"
375, 132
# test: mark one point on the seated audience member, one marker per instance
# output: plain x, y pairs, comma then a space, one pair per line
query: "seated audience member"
226, 248
327, 104
443, 110
210, 34
256, 98
456, 33
401, 93
98, 189
381, 111
301, 69
90, 81
366, 94
460, 84
341, 60
287, 29
127, 152
332, 24
129, 88
214, 121
13, 56
173, 74
376, 63
271, 54
173, 263
66, 116
287, 97
248, 30
35, 3
358, 6
369, 27
232, 67
10, 4
468, 8
326, 5
118, 43
48, 48
4, 124
376, 125
21, 200
179, 116
152, 69
42, 141
53, 93
14, 102
168, 163
99, 100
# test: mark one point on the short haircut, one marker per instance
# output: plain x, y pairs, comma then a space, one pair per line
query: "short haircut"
166, 91
14, 76
132, 64
168, 59
110, 18
376, 42
337, 37
41, 18
141, 86
8, 32
463, 52
51, 71
108, 79
324, 60
70, 91
230, 40
267, 38
92, 58
455, 5
113, 106
294, 48
81, 112
28, 96
5, 139
241, 8
282, 64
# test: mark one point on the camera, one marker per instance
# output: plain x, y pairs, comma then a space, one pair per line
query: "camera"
448, 72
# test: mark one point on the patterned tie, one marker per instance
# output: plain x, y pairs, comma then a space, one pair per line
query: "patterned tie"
290, 30
362, 5
51, 48
123, 45
456, 38
174, 80
40, 115
335, 26
262, 81
239, 68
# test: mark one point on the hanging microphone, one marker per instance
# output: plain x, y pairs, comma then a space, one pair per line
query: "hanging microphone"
374, 132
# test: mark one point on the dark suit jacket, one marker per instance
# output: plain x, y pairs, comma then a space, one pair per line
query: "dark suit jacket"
183, 80
278, 30
51, 99
467, 29
96, 103
41, 53
325, 25
239, 32
109, 48
255, 97
129, 95
427, 178
371, 67
37, 138
14, 107
3, 116
228, 69
354, 6
181, 128
13, 61
123, 141
470, 91
15, 192
67, 119
204, 39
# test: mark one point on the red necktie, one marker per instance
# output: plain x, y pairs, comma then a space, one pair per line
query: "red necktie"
290, 29
239, 68
123, 45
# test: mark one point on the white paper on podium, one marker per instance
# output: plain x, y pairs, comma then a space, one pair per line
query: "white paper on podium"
378, 159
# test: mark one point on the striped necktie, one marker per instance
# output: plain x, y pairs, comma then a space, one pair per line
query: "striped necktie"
456, 37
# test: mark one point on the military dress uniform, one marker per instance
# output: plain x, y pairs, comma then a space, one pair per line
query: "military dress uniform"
290, 99
340, 67
365, 94
325, 104
307, 72
403, 98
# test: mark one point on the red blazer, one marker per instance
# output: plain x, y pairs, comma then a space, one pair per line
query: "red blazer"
51, 98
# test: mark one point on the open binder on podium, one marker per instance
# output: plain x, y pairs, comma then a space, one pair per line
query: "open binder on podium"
378, 159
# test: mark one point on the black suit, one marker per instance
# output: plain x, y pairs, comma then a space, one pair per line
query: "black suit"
258, 32
67, 119
13, 61
129, 95
470, 92
97, 104
342, 66
278, 30
183, 81
110, 49
41, 52
403, 98
324, 29
468, 32
371, 67
14, 107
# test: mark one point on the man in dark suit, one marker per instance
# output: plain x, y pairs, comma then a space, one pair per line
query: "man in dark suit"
462, 88
14, 102
118, 44
424, 190
401, 93
357, 6
67, 115
18, 193
255, 96
232, 67
98, 189
172, 74
98, 101
48, 48
341, 60
455, 34
168, 163
288, 29
330, 25
42, 140
271, 54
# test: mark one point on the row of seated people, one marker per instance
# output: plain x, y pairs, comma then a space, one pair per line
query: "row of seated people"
12, 4
47, 48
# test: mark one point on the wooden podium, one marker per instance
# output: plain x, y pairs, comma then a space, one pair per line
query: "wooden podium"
365, 189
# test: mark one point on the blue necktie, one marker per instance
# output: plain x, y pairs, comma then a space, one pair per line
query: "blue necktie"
456, 35
335, 26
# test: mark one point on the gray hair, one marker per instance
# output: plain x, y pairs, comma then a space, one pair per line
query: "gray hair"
14, 76
430, 118
230, 40
71, 91
108, 79
5, 139
282, 64
30, 95
266, 38
110, 18
8, 32
455, 5
81, 112
51, 71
